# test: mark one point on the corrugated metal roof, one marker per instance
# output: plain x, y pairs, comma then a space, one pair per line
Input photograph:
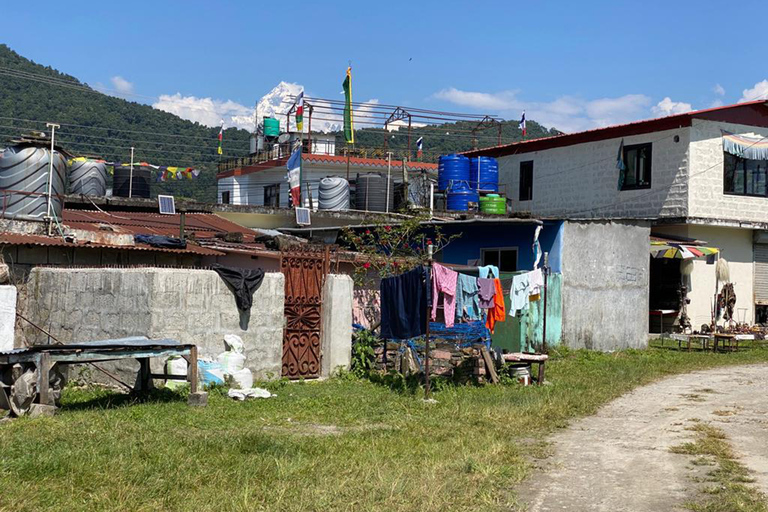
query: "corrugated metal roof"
51, 241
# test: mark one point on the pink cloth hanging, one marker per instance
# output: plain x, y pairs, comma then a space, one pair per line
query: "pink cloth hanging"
444, 280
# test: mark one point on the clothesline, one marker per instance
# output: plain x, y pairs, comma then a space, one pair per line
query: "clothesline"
407, 298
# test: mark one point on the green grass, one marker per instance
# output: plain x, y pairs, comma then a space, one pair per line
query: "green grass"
728, 489
337, 445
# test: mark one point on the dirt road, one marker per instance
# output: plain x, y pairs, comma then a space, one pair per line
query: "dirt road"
619, 459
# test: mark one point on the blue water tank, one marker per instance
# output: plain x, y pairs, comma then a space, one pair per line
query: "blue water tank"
484, 173
451, 168
460, 195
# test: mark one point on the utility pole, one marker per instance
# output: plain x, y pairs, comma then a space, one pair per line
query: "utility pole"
48, 218
389, 174
130, 177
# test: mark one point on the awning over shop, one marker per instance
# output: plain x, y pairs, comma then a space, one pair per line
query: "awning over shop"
744, 146
673, 250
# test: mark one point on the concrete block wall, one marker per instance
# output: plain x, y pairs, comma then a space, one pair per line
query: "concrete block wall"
606, 268
337, 324
193, 306
707, 198
574, 180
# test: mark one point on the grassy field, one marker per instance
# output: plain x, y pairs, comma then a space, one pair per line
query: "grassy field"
337, 445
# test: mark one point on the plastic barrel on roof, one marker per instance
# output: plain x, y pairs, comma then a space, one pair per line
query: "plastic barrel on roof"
88, 177
484, 173
459, 196
333, 193
24, 182
371, 193
121, 185
450, 169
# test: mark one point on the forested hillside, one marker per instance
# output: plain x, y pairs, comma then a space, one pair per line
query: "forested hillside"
93, 123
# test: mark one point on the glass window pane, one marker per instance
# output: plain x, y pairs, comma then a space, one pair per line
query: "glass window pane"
491, 258
508, 261
630, 174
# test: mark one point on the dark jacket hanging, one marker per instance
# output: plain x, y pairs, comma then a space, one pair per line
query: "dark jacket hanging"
404, 303
243, 281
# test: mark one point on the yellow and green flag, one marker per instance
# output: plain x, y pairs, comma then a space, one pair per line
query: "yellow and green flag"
349, 129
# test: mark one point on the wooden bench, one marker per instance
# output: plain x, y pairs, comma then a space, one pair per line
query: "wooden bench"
524, 357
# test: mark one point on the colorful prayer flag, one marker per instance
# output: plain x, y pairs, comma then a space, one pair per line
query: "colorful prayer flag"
522, 124
300, 112
419, 146
349, 129
221, 137
294, 177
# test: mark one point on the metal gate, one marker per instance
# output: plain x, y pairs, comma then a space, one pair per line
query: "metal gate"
305, 268
761, 273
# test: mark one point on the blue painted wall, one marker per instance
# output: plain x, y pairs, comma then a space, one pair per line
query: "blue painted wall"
475, 237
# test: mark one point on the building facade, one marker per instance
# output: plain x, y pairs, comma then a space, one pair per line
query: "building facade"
680, 179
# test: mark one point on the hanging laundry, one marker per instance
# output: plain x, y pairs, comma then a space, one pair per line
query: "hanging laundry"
535, 282
444, 280
467, 300
498, 312
488, 271
404, 302
519, 293
486, 289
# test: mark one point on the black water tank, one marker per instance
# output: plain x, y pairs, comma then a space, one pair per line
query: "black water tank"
371, 193
141, 177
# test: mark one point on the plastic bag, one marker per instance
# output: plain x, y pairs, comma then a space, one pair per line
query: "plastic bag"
242, 394
242, 379
175, 365
210, 372
231, 362
234, 343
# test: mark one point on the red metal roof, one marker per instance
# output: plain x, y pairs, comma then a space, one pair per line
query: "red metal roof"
326, 159
753, 113
55, 241
106, 225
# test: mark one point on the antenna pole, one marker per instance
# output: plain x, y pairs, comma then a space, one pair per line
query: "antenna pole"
130, 177
389, 174
53, 127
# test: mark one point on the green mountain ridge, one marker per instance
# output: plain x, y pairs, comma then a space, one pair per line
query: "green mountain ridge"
93, 123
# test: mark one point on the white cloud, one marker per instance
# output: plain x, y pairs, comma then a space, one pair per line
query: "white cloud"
566, 113
207, 111
667, 107
122, 85
758, 92
716, 103
719, 90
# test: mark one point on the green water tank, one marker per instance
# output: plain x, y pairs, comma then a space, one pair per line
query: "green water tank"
271, 127
493, 204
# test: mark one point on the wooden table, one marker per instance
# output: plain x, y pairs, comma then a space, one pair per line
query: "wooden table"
661, 313
525, 357
703, 339
42, 358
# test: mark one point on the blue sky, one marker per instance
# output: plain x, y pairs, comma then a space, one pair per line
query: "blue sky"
572, 65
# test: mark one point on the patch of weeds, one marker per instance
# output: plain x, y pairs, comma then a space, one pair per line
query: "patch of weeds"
721, 412
671, 409
705, 390
693, 397
729, 491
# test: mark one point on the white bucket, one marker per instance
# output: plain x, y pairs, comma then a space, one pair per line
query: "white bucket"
522, 375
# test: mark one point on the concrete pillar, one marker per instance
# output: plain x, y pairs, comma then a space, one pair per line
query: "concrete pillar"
337, 324
7, 316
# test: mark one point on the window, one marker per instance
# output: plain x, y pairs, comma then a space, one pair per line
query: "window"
504, 258
526, 180
225, 197
637, 160
744, 177
272, 195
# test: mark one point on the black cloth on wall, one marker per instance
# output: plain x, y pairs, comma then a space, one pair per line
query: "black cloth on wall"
243, 281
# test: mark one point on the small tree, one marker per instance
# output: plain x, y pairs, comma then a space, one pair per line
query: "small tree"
388, 249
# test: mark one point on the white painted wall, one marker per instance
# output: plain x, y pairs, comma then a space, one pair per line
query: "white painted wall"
582, 180
7, 316
706, 197
736, 247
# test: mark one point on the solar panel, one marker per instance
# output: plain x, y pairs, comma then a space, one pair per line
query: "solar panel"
302, 217
167, 205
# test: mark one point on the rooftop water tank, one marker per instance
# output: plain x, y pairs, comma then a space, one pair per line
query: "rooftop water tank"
271, 127
371, 193
484, 173
459, 196
333, 193
451, 168
121, 184
24, 182
88, 177
493, 204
